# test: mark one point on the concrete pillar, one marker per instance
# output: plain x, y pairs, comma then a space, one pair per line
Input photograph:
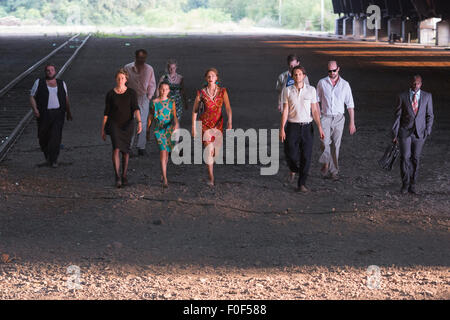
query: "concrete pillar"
348, 26
394, 28
382, 33
339, 26
357, 27
443, 33
426, 31
366, 31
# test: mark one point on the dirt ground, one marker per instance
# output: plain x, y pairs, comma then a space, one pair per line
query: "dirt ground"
250, 237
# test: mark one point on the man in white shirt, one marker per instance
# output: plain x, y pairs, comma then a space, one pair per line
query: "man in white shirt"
50, 103
285, 80
300, 108
333, 92
142, 80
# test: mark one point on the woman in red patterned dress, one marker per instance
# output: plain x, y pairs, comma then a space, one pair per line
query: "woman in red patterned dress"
213, 97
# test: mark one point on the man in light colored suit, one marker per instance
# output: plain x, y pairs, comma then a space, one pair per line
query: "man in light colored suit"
412, 126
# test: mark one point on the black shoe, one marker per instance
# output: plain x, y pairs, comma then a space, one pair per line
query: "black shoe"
412, 189
124, 181
141, 152
404, 189
118, 183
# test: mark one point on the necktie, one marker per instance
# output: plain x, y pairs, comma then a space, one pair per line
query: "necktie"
415, 104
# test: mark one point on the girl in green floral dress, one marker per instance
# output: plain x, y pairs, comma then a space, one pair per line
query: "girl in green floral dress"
164, 114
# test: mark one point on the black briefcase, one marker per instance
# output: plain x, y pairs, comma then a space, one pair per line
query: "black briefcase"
390, 155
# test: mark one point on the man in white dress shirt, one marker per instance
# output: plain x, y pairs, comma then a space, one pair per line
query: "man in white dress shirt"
50, 104
285, 80
300, 108
142, 80
333, 92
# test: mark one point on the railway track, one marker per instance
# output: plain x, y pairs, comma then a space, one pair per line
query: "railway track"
15, 110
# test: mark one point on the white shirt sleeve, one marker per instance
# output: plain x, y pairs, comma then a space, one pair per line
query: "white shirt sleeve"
34, 88
319, 90
284, 96
349, 98
314, 95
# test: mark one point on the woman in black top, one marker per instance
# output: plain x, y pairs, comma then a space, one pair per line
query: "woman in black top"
120, 107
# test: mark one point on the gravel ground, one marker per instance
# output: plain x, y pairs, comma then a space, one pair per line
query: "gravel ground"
250, 237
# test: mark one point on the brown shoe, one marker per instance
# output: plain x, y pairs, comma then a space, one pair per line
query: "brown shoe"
303, 189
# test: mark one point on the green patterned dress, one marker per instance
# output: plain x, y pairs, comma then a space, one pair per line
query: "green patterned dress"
164, 121
175, 94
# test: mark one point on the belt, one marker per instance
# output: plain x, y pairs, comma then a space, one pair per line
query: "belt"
301, 123
332, 115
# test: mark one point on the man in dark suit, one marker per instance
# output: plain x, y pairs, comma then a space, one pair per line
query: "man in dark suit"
412, 126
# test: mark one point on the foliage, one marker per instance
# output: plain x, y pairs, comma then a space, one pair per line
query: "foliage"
295, 14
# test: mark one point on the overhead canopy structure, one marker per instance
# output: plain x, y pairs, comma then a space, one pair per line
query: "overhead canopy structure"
421, 9
399, 17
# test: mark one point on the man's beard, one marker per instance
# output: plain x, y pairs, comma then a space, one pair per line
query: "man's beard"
47, 77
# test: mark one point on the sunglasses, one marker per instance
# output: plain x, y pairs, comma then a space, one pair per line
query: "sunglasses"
330, 71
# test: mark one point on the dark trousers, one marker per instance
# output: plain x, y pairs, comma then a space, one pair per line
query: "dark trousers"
50, 125
298, 149
410, 151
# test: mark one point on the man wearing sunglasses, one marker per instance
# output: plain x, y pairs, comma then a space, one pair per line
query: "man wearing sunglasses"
333, 93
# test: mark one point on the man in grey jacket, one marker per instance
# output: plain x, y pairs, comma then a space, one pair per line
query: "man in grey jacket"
412, 126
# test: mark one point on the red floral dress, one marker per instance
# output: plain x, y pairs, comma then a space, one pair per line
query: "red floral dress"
212, 117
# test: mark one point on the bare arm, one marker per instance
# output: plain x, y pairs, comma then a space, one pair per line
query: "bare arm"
194, 114
284, 117
228, 110
34, 107
351, 113
137, 116
105, 118
69, 113
175, 118
316, 116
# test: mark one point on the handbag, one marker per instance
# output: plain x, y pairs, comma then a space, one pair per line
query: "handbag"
390, 155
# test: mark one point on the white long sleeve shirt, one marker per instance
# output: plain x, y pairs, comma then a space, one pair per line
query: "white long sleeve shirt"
333, 99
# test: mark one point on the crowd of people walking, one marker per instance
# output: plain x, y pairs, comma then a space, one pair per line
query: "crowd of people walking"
136, 102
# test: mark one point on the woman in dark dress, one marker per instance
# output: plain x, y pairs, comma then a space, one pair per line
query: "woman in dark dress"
118, 122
